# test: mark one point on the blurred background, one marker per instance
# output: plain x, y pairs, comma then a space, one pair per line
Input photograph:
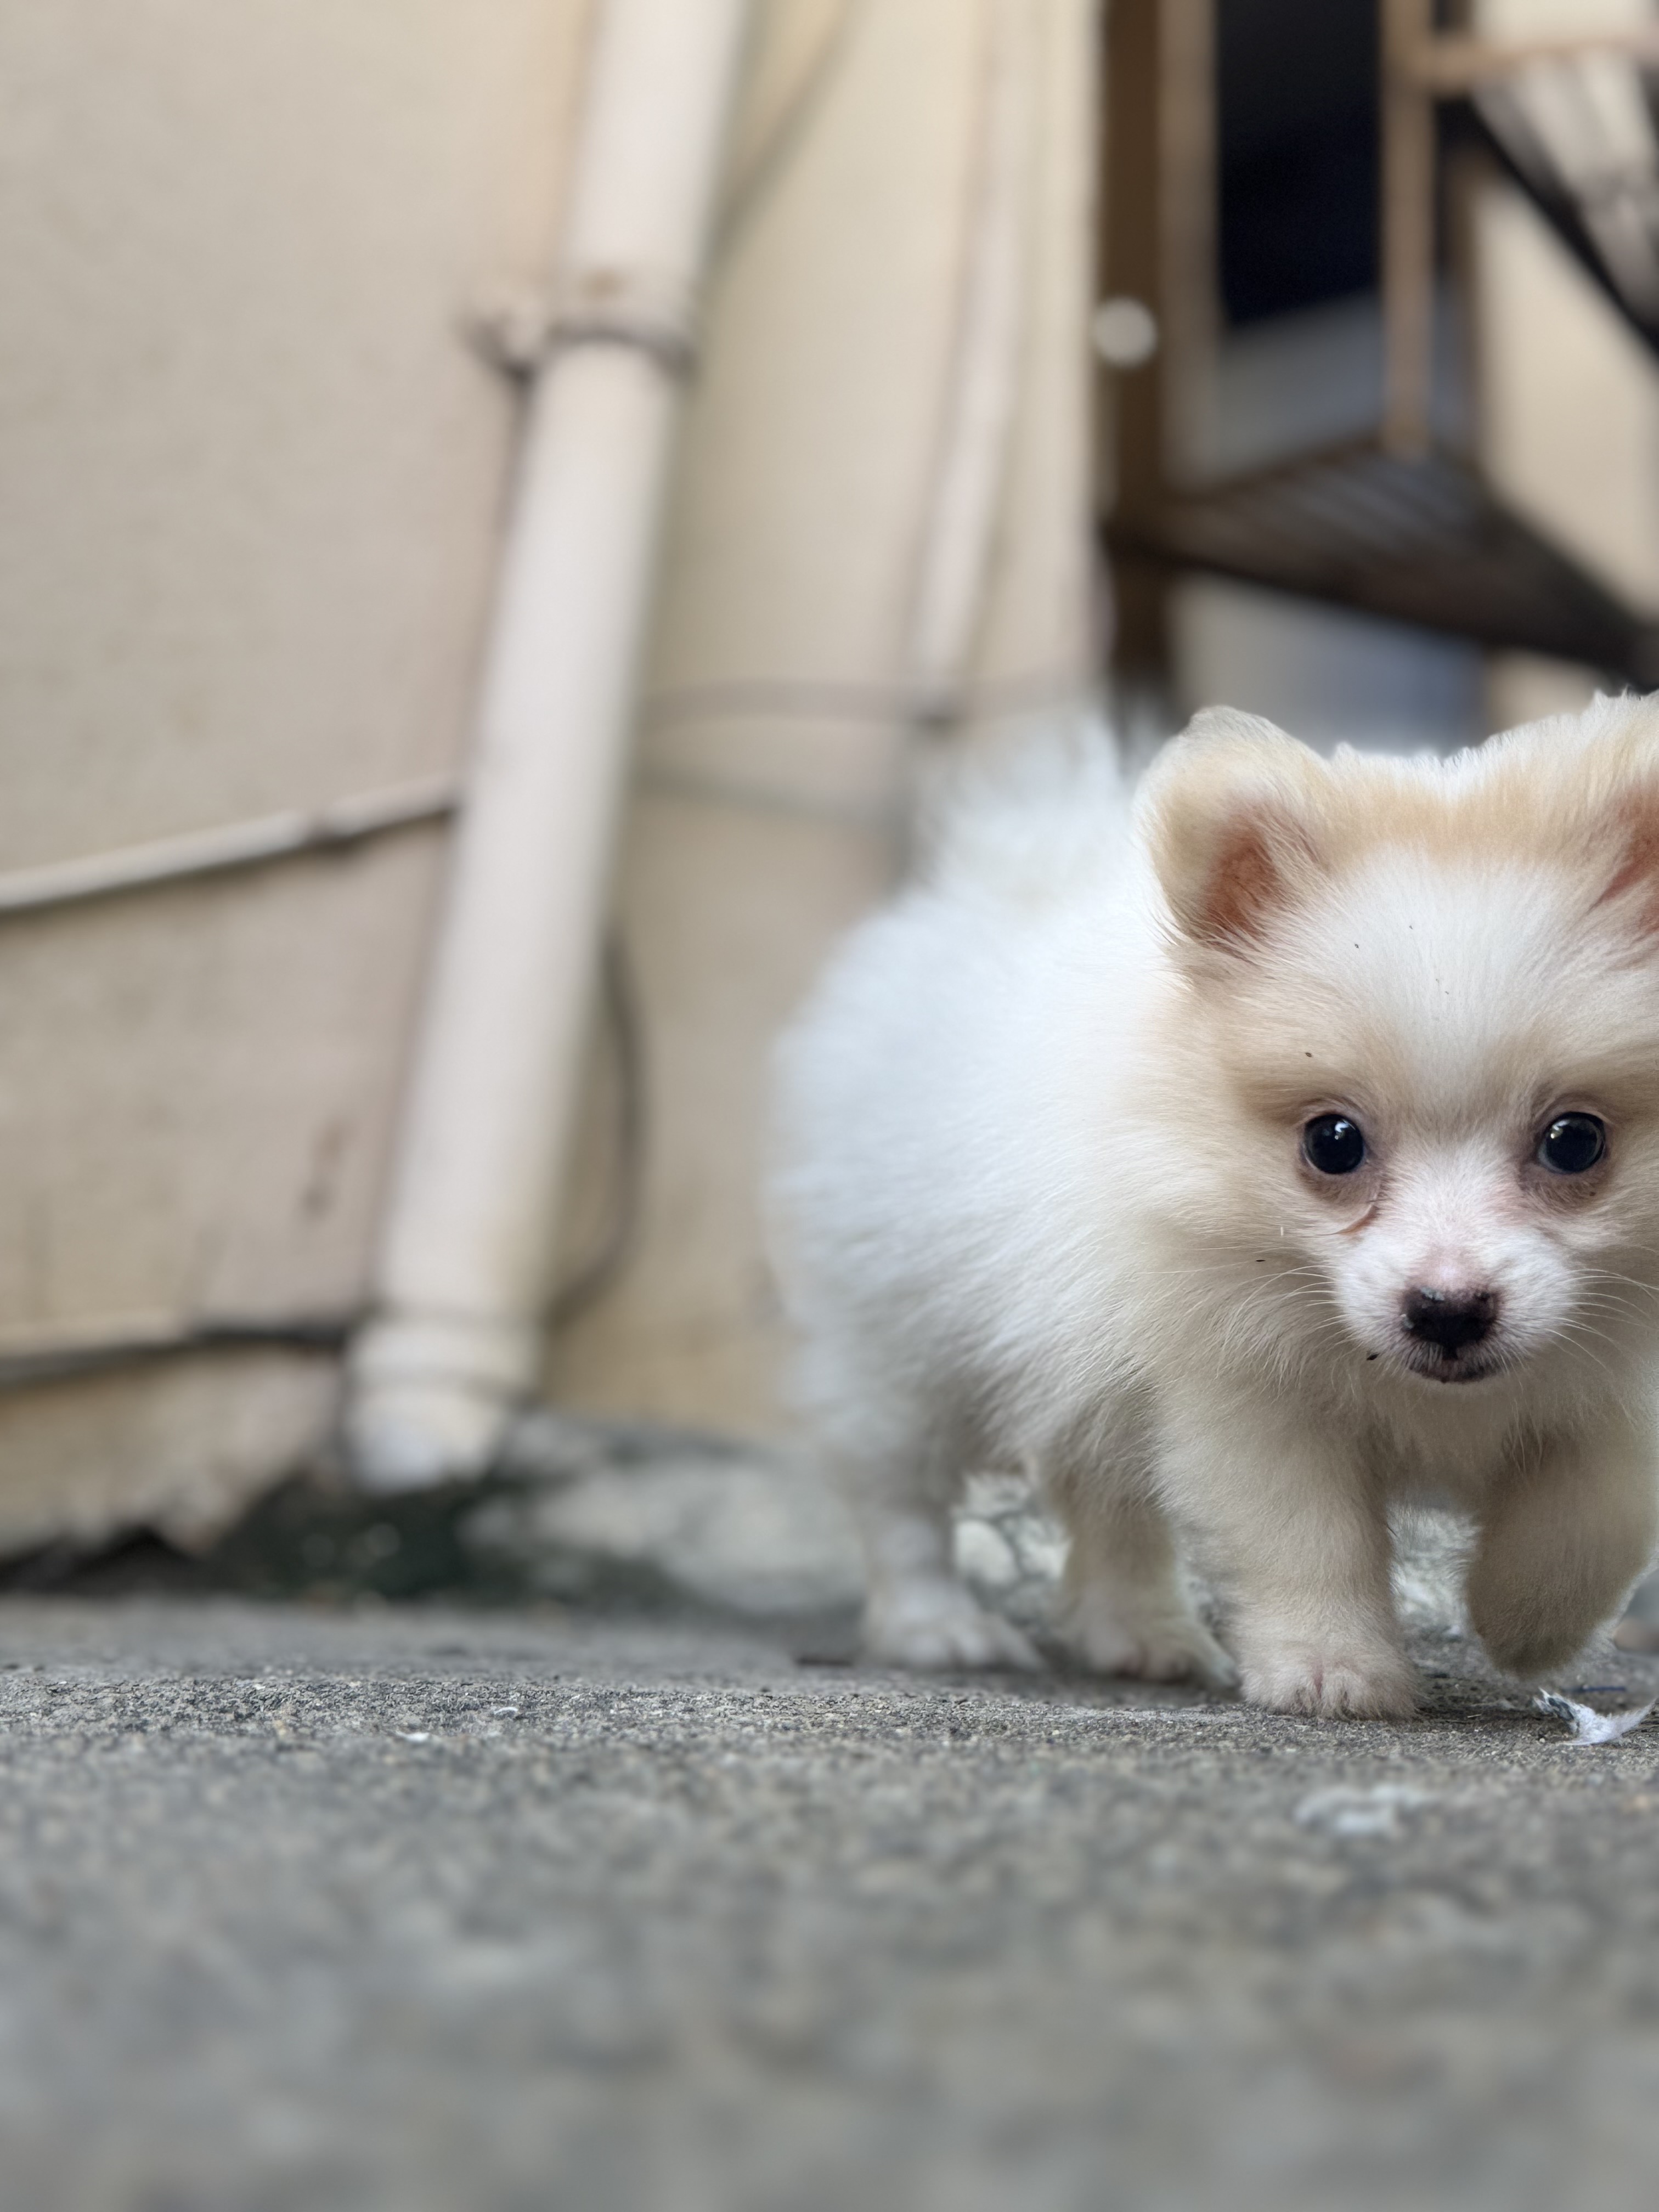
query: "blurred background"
498, 503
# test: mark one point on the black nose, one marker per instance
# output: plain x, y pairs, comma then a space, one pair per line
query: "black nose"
1450, 1319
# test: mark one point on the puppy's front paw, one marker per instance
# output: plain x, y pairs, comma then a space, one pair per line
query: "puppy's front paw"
1332, 1682
934, 1623
1162, 1647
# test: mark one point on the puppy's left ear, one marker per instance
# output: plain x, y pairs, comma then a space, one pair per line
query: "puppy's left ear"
1233, 817
1631, 834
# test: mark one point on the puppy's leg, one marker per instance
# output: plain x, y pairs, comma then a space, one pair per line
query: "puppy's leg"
1299, 1538
1561, 1542
901, 1485
1125, 1607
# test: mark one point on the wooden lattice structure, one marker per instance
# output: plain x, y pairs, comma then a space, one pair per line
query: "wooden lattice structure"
1395, 524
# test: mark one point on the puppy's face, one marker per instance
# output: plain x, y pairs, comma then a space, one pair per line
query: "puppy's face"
1425, 1022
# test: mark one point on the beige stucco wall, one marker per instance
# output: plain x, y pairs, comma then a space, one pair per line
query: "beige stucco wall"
252, 476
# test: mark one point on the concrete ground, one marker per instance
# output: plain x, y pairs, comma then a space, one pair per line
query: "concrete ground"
412, 1908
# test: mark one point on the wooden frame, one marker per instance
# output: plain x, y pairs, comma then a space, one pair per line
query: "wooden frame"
1390, 525
1420, 68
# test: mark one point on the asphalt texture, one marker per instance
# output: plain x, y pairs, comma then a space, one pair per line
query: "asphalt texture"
410, 1909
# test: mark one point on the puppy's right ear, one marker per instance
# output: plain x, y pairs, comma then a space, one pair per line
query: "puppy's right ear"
1232, 810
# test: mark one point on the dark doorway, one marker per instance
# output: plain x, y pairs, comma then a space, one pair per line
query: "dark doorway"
1297, 103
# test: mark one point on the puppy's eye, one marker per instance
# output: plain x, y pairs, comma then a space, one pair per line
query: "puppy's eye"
1572, 1144
1333, 1144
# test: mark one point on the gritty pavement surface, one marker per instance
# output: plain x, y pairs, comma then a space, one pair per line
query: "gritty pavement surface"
413, 1909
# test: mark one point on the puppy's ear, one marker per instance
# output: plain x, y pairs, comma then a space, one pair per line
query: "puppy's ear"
1232, 811
1631, 834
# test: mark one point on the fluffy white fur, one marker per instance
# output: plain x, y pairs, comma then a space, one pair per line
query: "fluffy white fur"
1041, 1196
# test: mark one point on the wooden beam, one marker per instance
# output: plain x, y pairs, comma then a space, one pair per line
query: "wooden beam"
1451, 68
1131, 267
1407, 222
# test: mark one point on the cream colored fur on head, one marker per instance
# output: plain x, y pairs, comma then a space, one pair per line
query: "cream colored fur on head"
1247, 1156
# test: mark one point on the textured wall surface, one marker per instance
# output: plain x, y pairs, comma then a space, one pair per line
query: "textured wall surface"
253, 479
255, 474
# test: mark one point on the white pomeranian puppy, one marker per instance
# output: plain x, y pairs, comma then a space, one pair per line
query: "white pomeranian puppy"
1245, 1157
